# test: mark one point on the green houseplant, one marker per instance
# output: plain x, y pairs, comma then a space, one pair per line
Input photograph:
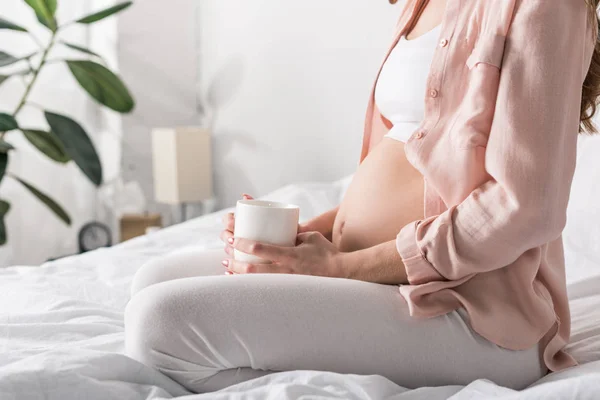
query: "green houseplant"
64, 140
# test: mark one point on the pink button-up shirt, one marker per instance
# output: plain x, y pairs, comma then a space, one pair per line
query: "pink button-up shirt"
497, 151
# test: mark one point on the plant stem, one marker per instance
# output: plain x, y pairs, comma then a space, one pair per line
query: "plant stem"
36, 73
30, 65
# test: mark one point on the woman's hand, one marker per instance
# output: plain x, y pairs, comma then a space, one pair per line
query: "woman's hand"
322, 223
313, 255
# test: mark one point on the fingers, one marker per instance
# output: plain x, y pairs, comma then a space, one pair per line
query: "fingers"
225, 235
262, 250
309, 237
225, 264
246, 196
242, 267
304, 228
229, 221
227, 238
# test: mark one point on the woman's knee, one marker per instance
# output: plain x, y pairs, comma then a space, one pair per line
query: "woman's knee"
162, 269
150, 321
184, 263
162, 332
151, 273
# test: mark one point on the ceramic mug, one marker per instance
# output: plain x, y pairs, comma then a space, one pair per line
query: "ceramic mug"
267, 222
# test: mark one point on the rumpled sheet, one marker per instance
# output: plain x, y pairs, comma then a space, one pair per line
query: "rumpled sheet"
61, 330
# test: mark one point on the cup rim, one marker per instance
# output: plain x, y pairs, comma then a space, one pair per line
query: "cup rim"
272, 205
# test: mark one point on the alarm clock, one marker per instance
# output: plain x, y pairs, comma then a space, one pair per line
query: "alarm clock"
94, 235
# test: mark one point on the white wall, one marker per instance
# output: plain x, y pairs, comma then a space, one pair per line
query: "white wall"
158, 59
289, 84
284, 84
34, 233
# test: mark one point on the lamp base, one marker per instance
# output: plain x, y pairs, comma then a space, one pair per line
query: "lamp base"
185, 211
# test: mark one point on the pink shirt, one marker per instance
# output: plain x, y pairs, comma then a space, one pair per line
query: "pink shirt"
497, 150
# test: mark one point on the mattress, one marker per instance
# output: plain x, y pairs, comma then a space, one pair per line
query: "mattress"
61, 329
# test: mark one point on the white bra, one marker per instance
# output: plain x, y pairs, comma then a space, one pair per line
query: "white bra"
402, 84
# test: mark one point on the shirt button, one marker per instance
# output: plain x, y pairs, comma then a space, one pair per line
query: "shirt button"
433, 93
420, 134
444, 42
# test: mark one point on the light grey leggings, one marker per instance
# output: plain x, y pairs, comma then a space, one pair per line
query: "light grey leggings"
209, 330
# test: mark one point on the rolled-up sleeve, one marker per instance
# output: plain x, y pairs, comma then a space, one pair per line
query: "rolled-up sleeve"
530, 155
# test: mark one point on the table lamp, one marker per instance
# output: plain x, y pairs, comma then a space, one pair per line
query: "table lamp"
182, 166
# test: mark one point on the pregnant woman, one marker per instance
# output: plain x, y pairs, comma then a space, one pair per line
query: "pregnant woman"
444, 262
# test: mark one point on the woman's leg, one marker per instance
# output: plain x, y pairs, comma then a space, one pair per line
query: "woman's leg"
211, 332
186, 263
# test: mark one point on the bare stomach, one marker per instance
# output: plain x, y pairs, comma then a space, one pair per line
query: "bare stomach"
385, 194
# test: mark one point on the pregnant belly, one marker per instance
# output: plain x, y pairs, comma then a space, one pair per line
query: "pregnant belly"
385, 194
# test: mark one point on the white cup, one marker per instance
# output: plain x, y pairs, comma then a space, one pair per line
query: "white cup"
266, 222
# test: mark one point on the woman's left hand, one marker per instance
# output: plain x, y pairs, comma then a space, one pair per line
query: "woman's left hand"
313, 255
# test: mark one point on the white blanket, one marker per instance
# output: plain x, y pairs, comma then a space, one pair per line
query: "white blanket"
61, 331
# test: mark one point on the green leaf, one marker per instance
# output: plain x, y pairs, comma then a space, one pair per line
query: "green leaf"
7, 59
44, 198
3, 164
81, 49
2, 232
4, 208
7, 122
77, 145
47, 143
5, 147
90, 19
4, 24
44, 10
102, 85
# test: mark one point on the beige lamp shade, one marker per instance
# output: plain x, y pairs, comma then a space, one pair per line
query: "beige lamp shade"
182, 165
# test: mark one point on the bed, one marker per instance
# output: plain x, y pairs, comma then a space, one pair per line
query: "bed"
61, 324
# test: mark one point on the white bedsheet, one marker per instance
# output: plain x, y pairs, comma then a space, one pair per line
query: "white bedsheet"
61, 331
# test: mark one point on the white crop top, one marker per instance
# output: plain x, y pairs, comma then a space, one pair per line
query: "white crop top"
402, 84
